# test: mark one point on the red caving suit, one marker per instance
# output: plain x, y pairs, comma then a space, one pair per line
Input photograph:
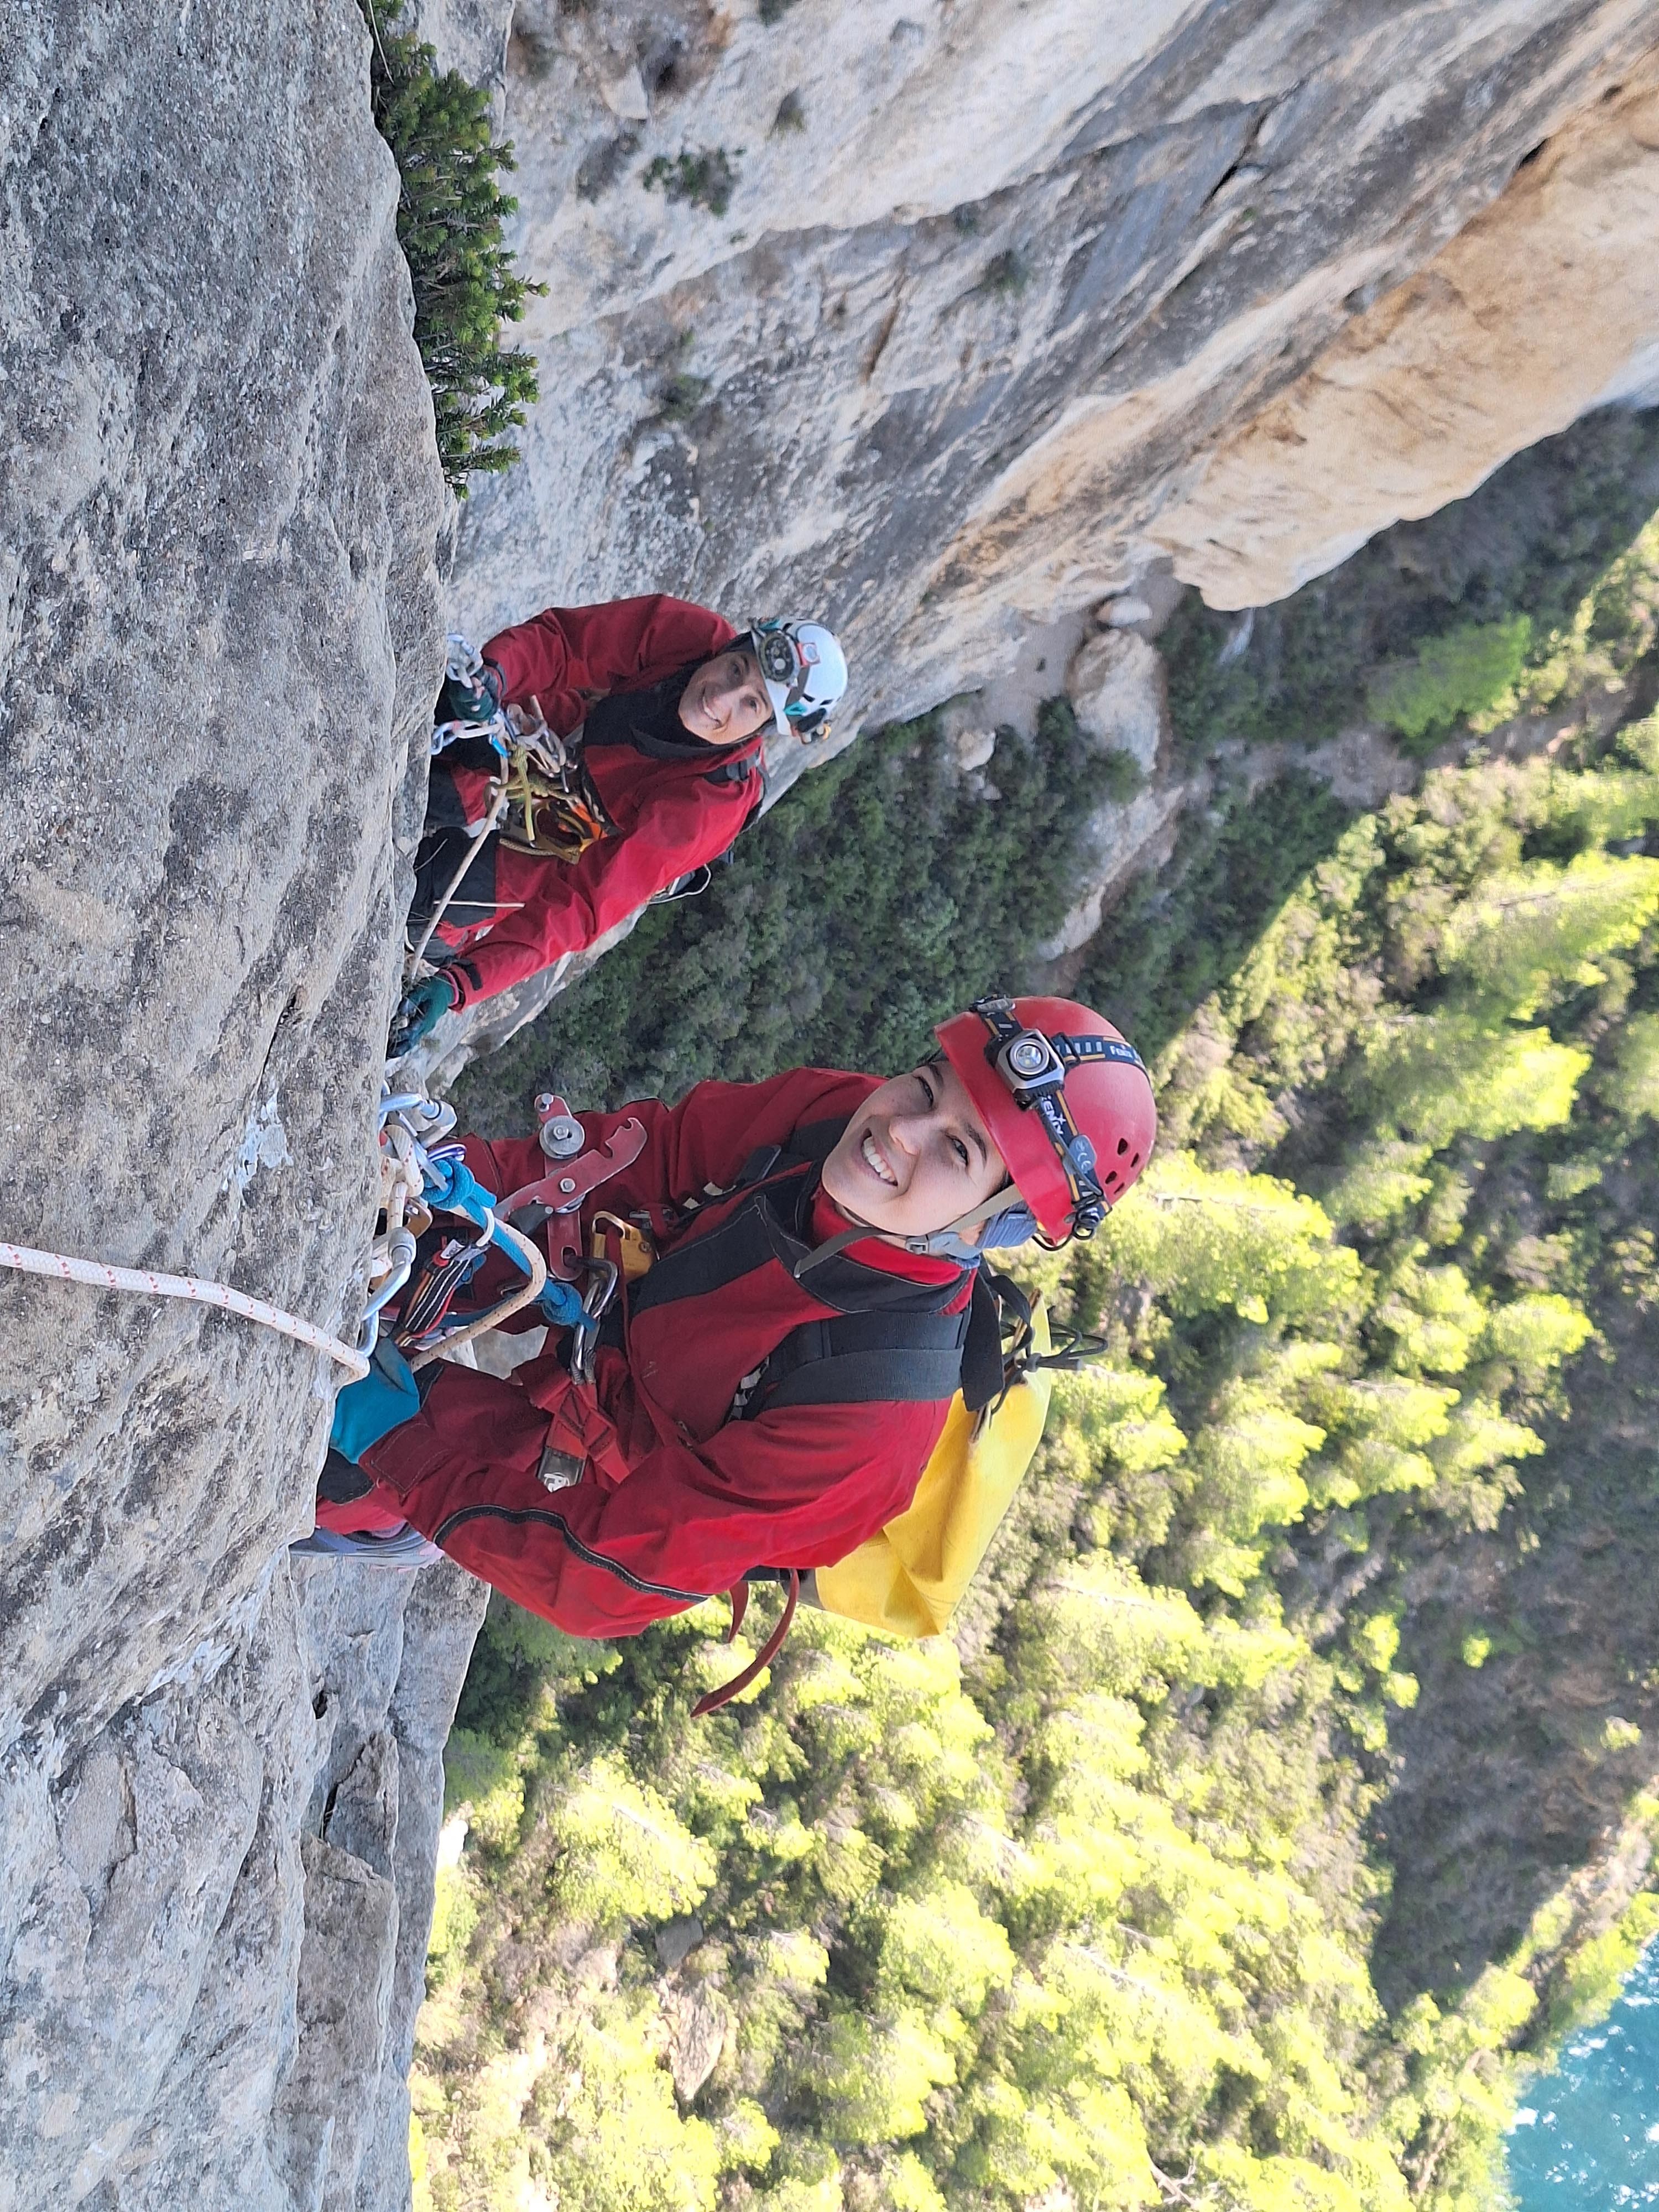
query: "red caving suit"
672, 815
677, 1500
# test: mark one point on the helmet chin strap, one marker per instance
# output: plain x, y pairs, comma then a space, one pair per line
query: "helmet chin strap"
935, 1245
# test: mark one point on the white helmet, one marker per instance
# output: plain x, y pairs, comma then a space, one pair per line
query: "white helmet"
804, 672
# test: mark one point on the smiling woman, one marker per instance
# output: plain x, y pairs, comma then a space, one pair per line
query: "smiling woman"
804, 1297
917, 1158
726, 699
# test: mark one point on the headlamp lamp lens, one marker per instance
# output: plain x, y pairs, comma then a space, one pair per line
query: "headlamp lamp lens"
1028, 1056
777, 658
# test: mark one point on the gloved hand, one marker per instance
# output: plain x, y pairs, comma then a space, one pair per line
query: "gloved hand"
451, 1187
382, 1401
418, 1013
474, 700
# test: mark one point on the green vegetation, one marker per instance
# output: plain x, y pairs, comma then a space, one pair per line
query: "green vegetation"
1089, 1903
1176, 935
1450, 679
450, 218
706, 178
1008, 272
1196, 1869
682, 396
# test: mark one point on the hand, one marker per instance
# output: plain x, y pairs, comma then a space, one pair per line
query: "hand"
419, 1012
371, 1409
475, 700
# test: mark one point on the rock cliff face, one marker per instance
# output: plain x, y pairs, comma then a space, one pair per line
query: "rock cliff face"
947, 303
221, 500
1549, 297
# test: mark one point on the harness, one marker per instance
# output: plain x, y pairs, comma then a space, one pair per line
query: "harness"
553, 806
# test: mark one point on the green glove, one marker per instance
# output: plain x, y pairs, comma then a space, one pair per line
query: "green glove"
462, 700
418, 1013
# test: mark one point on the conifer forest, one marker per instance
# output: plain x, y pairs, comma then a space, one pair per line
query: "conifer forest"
1194, 1869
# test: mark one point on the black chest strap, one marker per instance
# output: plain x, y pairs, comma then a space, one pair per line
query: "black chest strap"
863, 1359
887, 1358
773, 1225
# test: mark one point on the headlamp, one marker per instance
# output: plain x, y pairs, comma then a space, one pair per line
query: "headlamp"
777, 656
1029, 1066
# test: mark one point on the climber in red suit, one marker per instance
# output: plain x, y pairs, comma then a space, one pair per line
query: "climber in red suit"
665, 709
719, 1433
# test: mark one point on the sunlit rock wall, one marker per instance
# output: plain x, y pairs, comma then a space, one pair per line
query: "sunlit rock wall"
993, 278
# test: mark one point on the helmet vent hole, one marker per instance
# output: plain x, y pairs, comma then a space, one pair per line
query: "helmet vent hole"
1135, 1162
1123, 1145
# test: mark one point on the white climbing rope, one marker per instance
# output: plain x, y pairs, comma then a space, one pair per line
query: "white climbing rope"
103, 1276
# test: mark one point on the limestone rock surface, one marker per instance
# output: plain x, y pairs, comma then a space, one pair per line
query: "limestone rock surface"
217, 1912
920, 313
1548, 302
219, 634
1115, 683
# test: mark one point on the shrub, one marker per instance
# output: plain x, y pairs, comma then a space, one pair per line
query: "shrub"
1009, 273
1122, 777
706, 178
450, 215
682, 396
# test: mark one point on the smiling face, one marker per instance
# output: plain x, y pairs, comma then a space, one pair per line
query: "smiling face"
726, 700
915, 1156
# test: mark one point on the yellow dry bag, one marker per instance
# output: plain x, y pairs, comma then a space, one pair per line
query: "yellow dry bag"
910, 1578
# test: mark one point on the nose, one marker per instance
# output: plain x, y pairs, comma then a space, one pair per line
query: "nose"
910, 1131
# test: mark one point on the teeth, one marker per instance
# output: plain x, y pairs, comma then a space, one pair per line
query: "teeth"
875, 1162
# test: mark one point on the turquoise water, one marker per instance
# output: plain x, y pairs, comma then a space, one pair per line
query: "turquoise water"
1586, 2138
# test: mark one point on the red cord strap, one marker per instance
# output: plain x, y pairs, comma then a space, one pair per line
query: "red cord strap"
712, 1700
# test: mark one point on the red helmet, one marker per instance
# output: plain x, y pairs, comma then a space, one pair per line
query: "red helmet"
1066, 1098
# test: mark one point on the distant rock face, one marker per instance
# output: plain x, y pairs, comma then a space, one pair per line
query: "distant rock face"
1116, 686
219, 505
1546, 303
943, 301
